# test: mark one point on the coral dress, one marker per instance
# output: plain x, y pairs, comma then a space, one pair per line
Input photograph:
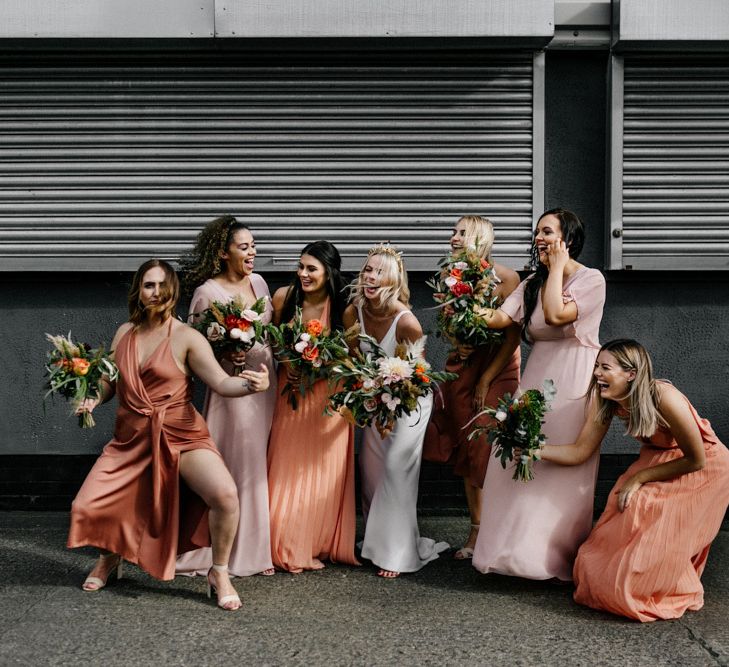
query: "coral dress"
311, 481
240, 427
446, 441
533, 529
646, 562
132, 502
390, 474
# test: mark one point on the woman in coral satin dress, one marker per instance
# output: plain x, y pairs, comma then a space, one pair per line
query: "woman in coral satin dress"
645, 556
390, 462
311, 454
484, 374
533, 530
221, 267
131, 505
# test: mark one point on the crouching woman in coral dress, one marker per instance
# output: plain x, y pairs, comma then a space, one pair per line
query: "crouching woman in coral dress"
131, 504
645, 556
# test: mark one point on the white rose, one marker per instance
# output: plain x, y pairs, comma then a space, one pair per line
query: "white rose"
301, 346
250, 315
500, 415
368, 384
461, 265
305, 337
450, 281
247, 336
236, 334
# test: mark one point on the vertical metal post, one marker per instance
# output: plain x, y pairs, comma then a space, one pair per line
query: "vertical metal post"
538, 94
614, 240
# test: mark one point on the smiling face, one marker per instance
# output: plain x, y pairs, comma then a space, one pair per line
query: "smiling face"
612, 380
547, 232
312, 274
458, 236
374, 277
241, 253
152, 286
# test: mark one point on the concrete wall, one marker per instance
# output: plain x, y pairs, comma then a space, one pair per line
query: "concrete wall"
681, 317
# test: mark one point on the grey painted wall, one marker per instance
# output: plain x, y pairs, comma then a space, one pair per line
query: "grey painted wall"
681, 317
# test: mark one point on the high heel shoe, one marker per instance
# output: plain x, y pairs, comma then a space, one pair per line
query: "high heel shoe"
227, 602
92, 584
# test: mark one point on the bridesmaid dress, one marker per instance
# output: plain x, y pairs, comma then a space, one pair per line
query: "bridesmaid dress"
533, 529
311, 481
390, 470
646, 562
132, 502
240, 427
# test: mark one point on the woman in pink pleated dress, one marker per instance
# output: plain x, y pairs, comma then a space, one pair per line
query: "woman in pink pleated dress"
533, 530
645, 556
221, 268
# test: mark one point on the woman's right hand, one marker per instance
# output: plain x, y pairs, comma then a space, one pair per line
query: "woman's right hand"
257, 380
86, 405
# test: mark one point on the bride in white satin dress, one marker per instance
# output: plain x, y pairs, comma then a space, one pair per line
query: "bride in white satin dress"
390, 466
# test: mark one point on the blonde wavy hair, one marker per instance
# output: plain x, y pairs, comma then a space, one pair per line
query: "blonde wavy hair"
479, 233
644, 415
169, 294
393, 278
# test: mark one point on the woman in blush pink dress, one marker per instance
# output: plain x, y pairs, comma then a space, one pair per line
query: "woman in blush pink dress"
533, 530
645, 556
221, 265
311, 454
484, 374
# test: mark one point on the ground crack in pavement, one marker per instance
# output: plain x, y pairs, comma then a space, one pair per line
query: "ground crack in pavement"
698, 639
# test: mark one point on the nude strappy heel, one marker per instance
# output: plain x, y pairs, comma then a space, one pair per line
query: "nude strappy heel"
227, 602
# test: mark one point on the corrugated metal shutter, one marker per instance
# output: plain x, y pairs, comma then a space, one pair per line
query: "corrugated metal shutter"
673, 212
101, 168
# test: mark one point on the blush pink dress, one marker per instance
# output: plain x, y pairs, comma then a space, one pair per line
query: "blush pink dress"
311, 481
240, 427
533, 529
132, 502
646, 562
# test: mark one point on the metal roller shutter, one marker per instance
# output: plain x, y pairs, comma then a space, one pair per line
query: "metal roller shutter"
670, 163
101, 168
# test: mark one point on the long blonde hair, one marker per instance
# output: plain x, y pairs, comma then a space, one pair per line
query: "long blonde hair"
393, 279
644, 415
479, 233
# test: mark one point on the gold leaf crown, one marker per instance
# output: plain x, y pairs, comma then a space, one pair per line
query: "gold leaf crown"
386, 249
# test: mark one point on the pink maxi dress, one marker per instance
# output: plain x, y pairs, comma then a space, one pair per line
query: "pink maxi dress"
240, 427
533, 529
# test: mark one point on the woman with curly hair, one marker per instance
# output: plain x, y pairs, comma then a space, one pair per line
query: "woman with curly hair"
311, 454
220, 268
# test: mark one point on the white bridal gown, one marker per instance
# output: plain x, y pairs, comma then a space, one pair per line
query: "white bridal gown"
390, 472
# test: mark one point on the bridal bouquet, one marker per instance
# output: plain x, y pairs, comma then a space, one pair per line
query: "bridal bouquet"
379, 389
75, 371
518, 425
232, 326
464, 284
308, 349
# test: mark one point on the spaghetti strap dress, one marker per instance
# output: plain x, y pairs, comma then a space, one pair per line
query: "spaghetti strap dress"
311, 481
533, 529
390, 470
240, 427
646, 562
132, 501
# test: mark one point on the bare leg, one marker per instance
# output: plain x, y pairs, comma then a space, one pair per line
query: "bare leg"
473, 498
206, 474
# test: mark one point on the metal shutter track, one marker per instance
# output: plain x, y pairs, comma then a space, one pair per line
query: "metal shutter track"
101, 168
676, 163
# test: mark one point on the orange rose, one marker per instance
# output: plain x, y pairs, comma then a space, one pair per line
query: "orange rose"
314, 327
457, 274
80, 366
243, 324
310, 353
484, 264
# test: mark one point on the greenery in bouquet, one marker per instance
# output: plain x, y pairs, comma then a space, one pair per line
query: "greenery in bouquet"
379, 389
231, 326
517, 424
308, 349
74, 371
464, 284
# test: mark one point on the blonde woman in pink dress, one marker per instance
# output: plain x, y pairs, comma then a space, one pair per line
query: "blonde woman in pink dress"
222, 266
533, 530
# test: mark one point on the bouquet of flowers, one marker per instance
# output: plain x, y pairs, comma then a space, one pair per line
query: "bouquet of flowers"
379, 389
75, 371
308, 349
231, 326
464, 284
518, 425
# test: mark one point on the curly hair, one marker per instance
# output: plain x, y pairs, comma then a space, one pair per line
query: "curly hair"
204, 261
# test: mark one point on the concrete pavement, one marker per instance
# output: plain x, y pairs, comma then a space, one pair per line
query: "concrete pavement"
447, 614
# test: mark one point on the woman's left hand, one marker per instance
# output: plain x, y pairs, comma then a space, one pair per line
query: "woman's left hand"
557, 255
626, 493
480, 394
257, 380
